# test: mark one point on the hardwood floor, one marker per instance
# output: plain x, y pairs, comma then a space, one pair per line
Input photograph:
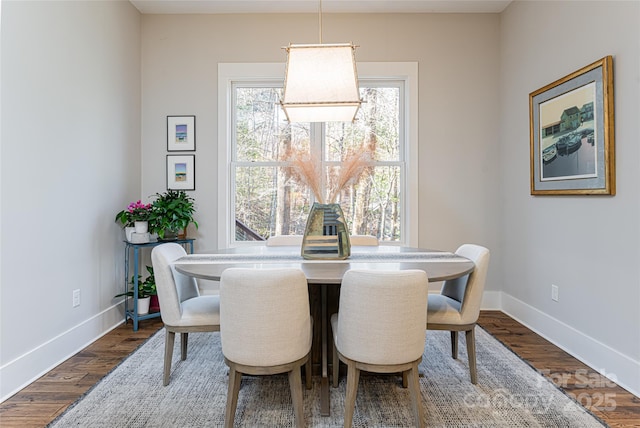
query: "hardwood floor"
611, 403
43, 400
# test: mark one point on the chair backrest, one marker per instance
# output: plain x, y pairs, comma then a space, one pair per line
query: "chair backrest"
172, 286
382, 316
280, 240
264, 316
364, 240
468, 289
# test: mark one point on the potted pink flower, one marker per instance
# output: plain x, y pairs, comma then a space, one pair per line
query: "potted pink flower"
135, 218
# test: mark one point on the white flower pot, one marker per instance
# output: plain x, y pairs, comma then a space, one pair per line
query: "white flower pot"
128, 231
141, 226
143, 305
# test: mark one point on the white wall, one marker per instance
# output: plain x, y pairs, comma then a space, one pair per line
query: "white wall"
73, 119
458, 86
587, 245
70, 156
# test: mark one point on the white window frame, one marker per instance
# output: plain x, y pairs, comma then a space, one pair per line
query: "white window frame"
230, 73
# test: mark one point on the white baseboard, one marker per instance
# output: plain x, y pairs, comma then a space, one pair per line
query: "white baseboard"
620, 368
25, 369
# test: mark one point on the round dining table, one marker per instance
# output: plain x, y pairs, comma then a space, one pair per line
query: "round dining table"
323, 273
439, 265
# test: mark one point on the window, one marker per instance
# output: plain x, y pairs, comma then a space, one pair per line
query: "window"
260, 196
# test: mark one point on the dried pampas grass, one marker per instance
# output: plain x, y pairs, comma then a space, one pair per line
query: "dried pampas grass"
306, 170
351, 170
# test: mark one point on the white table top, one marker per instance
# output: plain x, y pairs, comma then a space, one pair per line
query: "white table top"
439, 265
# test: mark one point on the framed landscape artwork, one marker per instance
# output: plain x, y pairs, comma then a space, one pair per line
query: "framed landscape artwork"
181, 133
572, 134
181, 172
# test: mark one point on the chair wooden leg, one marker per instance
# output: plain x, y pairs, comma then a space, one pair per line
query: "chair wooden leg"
336, 366
416, 397
405, 380
235, 378
353, 376
471, 351
307, 373
184, 342
454, 345
168, 355
295, 385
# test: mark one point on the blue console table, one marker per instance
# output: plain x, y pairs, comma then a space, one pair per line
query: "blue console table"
133, 312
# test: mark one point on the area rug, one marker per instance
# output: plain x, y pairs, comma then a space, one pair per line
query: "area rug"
509, 393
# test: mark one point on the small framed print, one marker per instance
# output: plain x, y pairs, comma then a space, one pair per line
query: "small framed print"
181, 172
572, 133
181, 133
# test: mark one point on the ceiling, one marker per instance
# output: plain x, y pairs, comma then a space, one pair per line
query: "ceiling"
330, 6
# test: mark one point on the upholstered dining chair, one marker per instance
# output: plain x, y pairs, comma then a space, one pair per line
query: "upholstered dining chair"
265, 329
183, 309
457, 307
280, 240
380, 328
364, 240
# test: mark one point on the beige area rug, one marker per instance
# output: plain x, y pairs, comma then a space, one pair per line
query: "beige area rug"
509, 393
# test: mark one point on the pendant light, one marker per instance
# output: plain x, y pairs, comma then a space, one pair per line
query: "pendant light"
321, 82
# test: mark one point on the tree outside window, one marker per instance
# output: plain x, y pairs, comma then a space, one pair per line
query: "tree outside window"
268, 200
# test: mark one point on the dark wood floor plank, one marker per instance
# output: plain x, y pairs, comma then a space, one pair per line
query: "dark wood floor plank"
611, 403
49, 396
42, 401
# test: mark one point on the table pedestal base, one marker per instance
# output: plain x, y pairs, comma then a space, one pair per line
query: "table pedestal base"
324, 385
323, 302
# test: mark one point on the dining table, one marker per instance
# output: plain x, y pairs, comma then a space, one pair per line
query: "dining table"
325, 274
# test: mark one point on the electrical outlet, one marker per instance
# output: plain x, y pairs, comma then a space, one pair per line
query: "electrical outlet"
76, 298
554, 292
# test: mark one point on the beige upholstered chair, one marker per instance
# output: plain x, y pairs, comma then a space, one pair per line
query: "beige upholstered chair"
457, 307
265, 328
280, 240
183, 310
380, 328
364, 240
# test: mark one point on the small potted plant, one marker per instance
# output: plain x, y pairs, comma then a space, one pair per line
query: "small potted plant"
146, 289
136, 215
171, 213
154, 304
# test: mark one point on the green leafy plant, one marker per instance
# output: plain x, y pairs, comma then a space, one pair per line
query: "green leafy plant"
136, 211
172, 212
146, 287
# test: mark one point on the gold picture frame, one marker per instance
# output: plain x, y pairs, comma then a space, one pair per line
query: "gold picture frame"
572, 133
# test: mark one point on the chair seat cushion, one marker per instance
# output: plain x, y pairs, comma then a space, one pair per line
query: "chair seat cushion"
443, 310
201, 310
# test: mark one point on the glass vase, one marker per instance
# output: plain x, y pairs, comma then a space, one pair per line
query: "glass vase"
326, 236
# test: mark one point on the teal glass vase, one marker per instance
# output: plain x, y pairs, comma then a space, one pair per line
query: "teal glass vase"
326, 236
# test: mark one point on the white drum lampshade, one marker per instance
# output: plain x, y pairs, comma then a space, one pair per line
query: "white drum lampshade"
321, 83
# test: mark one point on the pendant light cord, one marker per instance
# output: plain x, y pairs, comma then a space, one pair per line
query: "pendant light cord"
320, 21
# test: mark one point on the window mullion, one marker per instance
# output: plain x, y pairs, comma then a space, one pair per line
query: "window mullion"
317, 148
